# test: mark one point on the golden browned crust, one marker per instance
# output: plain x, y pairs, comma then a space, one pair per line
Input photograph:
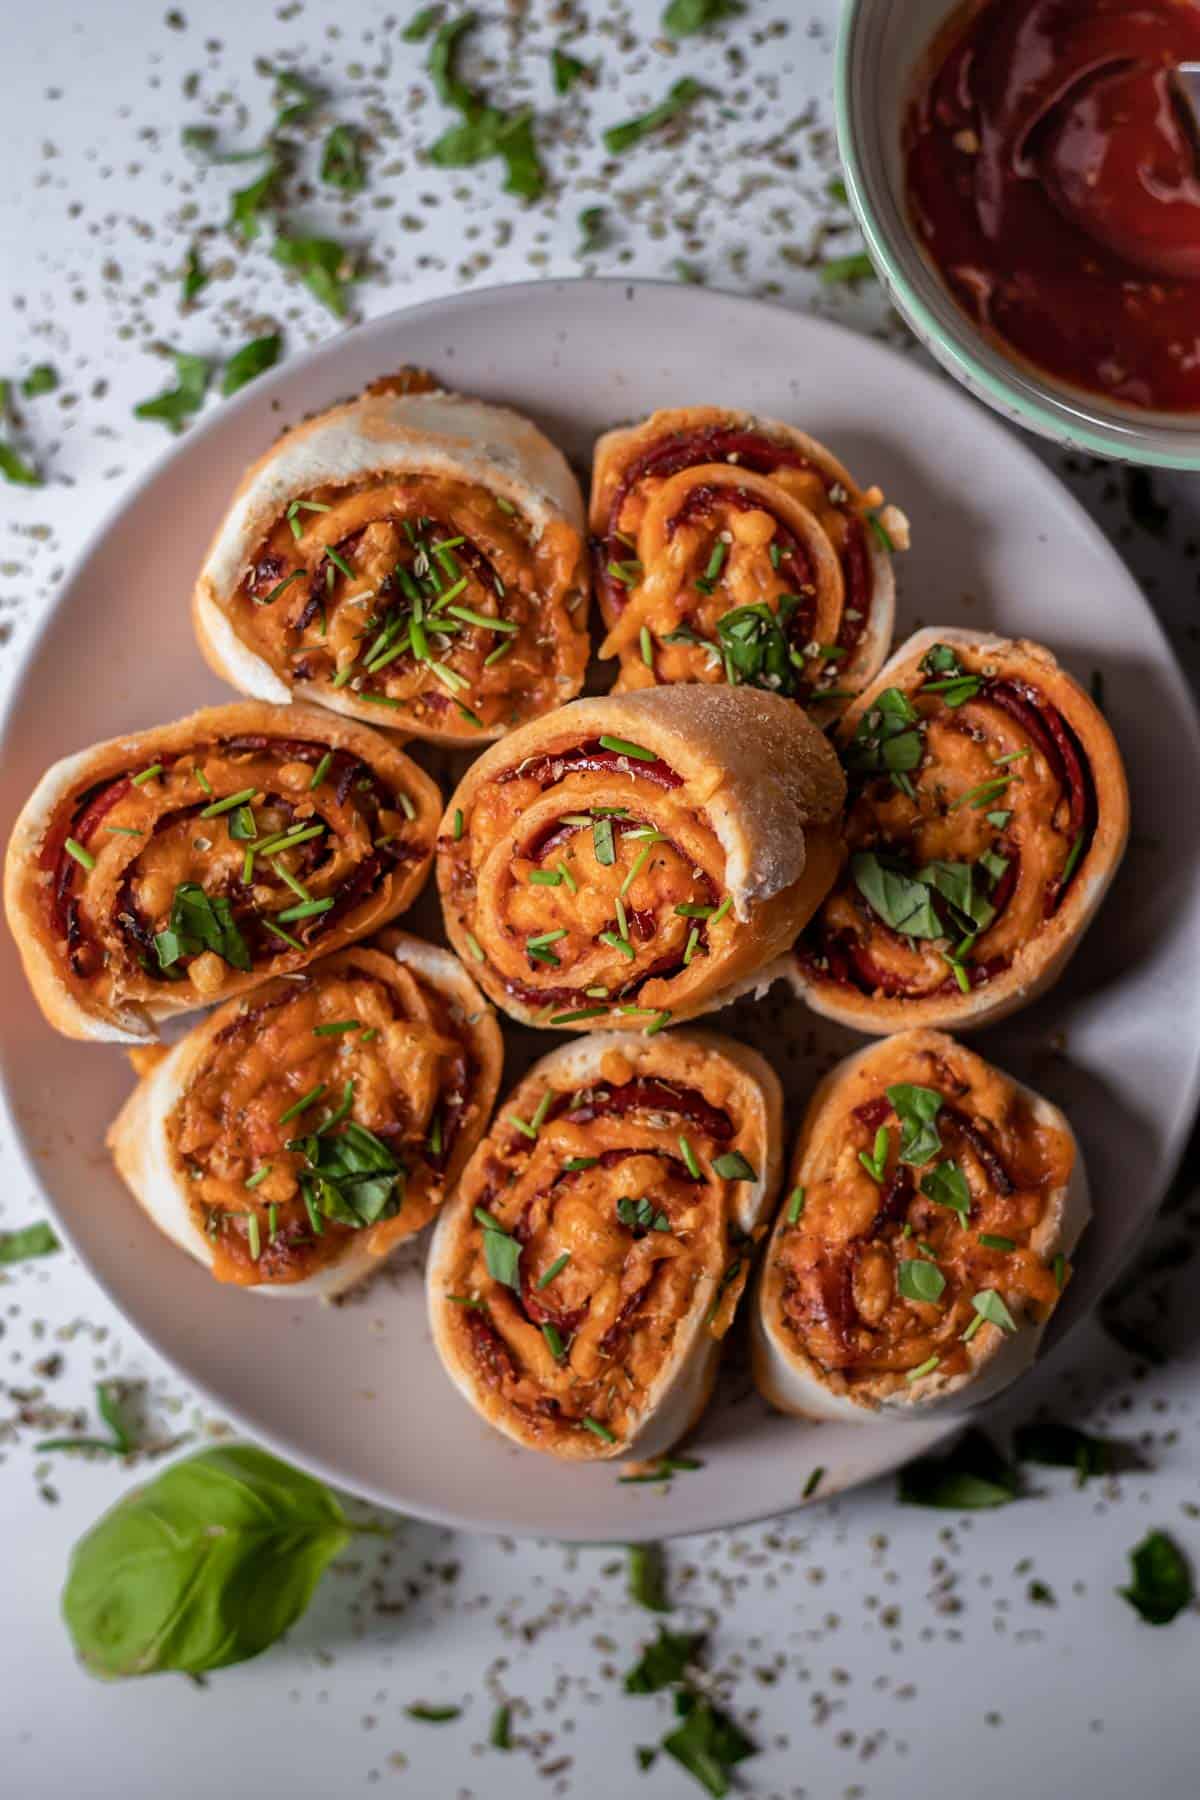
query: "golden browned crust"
1042, 957
636, 1310
122, 1006
755, 815
834, 1332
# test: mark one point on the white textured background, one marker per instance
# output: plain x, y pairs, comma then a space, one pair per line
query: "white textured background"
870, 1650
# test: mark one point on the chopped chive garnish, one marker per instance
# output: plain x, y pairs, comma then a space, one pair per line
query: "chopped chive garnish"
458, 824
298, 888
254, 1236
623, 747
83, 857
652, 1030
272, 1222
554, 1342
964, 1337
281, 587
597, 1429
556, 1268
125, 830
302, 1105
336, 1027
248, 867
259, 1176
205, 783
340, 1112
277, 931
287, 840
647, 643
474, 946
1072, 861
506, 506
228, 804
499, 652
795, 1205
472, 718
622, 917
724, 907
812, 1484
983, 795
688, 911
339, 562
991, 1241
306, 909
546, 937
380, 700
642, 859
925, 1368
582, 1012
689, 949
543, 1107
616, 943
147, 775
469, 617
1059, 1266
574, 1163
320, 772
690, 1158
545, 878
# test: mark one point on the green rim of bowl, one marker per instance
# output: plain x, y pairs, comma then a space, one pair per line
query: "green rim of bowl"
1100, 440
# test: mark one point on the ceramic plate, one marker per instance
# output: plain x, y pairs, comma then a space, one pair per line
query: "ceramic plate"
354, 1392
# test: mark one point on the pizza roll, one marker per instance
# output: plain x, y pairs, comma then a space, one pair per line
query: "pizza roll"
988, 814
583, 1276
412, 559
159, 872
728, 548
923, 1242
645, 856
296, 1136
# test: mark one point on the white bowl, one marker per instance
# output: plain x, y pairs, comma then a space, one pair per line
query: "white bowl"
880, 44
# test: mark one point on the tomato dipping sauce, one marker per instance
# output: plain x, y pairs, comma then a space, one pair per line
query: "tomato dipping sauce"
1053, 175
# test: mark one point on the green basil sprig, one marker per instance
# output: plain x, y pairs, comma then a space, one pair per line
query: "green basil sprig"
917, 1109
351, 1177
205, 1566
888, 739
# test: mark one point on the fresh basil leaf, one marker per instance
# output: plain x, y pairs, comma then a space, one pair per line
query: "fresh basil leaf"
917, 1279
973, 1475
566, 70
756, 648
946, 1185
295, 97
324, 266
16, 469
1162, 1583
202, 141
1064, 1447
592, 230
200, 922
895, 896
342, 163
451, 90
195, 276
502, 1254
684, 17
680, 95
955, 882
421, 24
647, 1577
28, 1242
41, 379
176, 406
351, 1176
246, 204
252, 359
708, 1743
664, 1662
205, 1566
917, 1109
942, 659
640, 1215
888, 737
486, 131
991, 1306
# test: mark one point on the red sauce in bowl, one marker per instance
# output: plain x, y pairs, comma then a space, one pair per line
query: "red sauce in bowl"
1053, 176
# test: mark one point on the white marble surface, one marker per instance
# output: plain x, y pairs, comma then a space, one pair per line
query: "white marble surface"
870, 1650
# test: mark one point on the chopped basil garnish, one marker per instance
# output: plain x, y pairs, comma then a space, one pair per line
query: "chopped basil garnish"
41, 379
602, 842
664, 1662
898, 898
647, 1577
485, 130
888, 737
252, 359
708, 1743
755, 646
946, 1185
501, 1252
592, 230
641, 1215
972, 1476
200, 922
16, 469
176, 406
990, 1306
566, 70
342, 164
1162, 1583
681, 94
683, 17
920, 1280
324, 266
876, 1162
28, 1242
352, 1177
917, 1109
